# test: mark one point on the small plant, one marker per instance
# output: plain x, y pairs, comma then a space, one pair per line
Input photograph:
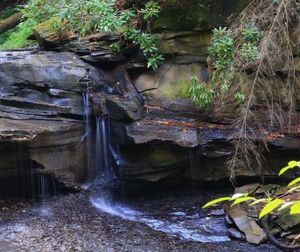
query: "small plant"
200, 94
251, 34
270, 204
239, 98
150, 11
249, 52
221, 49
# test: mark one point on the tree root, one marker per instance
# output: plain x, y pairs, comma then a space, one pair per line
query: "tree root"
264, 223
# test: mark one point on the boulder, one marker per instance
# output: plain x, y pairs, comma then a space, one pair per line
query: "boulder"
54, 146
253, 232
50, 34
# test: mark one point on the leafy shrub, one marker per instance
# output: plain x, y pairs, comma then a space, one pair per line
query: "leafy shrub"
200, 94
221, 49
222, 53
271, 204
249, 52
89, 16
251, 34
239, 98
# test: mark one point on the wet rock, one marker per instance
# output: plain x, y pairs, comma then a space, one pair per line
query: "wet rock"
251, 188
55, 145
217, 212
254, 233
149, 162
287, 222
228, 220
124, 109
236, 234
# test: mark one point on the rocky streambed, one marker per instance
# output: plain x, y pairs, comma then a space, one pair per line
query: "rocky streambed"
101, 221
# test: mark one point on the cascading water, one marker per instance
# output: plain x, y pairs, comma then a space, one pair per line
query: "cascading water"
100, 154
97, 138
88, 135
102, 150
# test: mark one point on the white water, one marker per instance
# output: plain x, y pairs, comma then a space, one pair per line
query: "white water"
176, 224
179, 224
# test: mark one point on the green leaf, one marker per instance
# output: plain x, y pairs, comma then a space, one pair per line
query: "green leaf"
255, 202
213, 202
268, 208
291, 165
283, 170
241, 200
294, 182
295, 208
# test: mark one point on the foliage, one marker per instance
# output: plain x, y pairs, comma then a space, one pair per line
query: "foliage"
249, 52
200, 94
239, 98
251, 34
221, 53
221, 49
90, 16
270, 204
17, 37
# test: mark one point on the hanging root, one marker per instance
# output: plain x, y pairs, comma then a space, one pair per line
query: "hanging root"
270, 81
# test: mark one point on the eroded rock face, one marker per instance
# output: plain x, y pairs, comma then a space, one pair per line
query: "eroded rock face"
172, 145
156, 131
41, 110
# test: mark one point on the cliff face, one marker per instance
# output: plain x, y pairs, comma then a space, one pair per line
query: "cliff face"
156, 131
41, 111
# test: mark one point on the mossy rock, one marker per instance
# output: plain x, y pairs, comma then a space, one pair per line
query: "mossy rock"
50, 33
170, 81
187, 15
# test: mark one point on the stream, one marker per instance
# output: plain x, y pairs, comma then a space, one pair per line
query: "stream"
169, 220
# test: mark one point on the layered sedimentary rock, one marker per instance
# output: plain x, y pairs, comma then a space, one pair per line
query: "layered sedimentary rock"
41, 110
156, 131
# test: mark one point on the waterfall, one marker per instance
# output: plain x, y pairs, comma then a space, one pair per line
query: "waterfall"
97, 138
88, 135
102, 150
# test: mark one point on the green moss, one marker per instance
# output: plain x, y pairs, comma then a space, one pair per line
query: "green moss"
178, 89
17, 37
